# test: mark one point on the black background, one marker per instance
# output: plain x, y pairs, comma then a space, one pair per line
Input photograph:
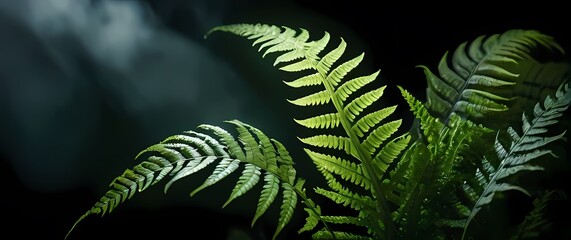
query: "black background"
395, 37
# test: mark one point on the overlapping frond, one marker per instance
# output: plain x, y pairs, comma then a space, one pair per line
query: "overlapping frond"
182, 155
427, 170
403, 190
369, 144
526, 145
479, 76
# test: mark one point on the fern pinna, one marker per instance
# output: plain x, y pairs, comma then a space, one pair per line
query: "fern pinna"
368, 144
181, 155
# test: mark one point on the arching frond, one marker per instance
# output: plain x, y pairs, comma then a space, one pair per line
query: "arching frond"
182, 155
479, 77
354, 99
526, 145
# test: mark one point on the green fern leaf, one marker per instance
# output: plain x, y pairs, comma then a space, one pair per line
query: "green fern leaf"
249, 178
421, 183
224, 168
325, 121
283, 157
319, 98
182, 155
313, 218
268, 195
343, 196
475, 79
355, 107
429, 125
334, 77
390, 152
349, 171
329, 141
305, 81
378, 136
524, 148
227, 139
325, 64
346, 198
369, 121
366, 134
287, 209
192, 168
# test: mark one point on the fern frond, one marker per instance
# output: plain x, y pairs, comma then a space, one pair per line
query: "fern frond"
182, 155
524, 147
478, 77
422, 183
366, 134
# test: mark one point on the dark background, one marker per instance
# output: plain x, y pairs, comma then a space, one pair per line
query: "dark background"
85, 85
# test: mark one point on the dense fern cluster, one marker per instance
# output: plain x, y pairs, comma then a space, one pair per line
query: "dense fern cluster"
428, 181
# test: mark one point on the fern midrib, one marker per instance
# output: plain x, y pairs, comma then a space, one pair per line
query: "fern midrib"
466, 83
365, 158
503, 163
524, 134
493, 179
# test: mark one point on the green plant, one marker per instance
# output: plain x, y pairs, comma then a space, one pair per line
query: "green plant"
480, 128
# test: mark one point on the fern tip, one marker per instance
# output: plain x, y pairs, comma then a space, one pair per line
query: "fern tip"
77, 222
